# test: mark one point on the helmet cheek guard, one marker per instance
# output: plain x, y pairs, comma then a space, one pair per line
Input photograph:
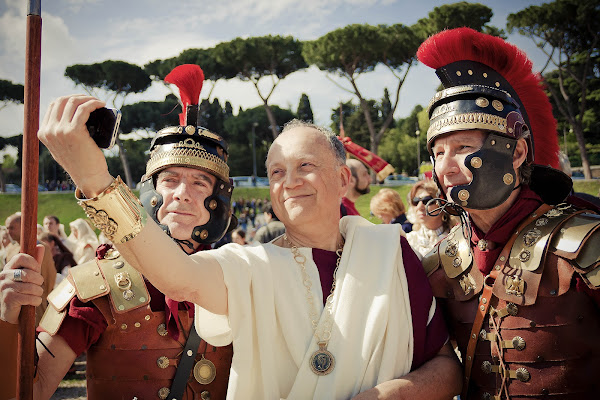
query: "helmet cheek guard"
493, 175
221, 220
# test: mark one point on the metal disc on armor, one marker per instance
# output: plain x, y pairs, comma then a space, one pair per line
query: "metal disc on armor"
523, 375
486, 367
518, 343
162, 330
128, 294
163, 362
512, 309
163, 393
205, 371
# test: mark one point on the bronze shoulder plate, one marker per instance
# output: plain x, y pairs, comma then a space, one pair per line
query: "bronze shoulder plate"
455, 253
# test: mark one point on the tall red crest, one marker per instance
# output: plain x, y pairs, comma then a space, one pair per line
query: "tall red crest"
189, 79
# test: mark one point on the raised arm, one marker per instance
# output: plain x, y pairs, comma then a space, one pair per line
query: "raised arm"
198, 279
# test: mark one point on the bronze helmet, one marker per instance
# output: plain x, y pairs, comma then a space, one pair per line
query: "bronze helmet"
189, 145
489, 86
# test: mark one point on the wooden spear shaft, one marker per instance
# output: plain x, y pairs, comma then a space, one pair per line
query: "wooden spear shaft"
29, 194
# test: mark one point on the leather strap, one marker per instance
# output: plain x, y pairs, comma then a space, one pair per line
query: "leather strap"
486, 295
185, 365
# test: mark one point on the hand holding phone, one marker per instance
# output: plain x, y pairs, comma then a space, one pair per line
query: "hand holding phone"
103, 126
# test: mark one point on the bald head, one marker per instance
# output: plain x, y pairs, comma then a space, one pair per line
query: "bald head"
13, 224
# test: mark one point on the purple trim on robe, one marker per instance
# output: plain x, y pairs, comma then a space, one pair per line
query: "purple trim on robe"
428, 339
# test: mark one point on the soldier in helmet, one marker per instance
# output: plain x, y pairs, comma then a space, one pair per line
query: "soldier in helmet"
139, 342
518, 280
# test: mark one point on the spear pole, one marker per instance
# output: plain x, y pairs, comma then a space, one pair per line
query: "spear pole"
29, 194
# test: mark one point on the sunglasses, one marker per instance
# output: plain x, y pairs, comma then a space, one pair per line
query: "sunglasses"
416, 200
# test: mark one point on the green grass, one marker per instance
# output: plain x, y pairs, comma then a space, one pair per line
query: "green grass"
64, 206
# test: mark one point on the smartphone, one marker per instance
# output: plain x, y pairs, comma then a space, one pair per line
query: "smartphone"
103, 126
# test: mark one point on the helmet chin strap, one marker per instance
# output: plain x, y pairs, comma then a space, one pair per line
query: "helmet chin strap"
186, 242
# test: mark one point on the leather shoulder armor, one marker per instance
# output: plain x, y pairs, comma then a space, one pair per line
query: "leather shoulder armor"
579, 242
111, 276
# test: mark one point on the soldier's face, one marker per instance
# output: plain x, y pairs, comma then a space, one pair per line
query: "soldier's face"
184, 191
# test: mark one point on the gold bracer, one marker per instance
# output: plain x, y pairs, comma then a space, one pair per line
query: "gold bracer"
116, 211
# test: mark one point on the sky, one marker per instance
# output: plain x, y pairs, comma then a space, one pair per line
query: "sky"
140, 31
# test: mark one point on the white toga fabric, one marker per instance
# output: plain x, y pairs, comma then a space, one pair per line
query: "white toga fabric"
270, 326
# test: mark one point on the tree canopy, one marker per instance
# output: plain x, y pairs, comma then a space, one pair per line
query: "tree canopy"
255, 58
568, 31
11, 93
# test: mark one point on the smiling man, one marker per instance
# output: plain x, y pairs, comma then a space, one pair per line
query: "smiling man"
305, 316
139, 342
519, 279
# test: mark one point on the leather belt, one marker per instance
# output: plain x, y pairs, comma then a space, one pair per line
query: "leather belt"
185, 365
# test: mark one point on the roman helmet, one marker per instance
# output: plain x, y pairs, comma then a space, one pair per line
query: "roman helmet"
189, 145
489, 85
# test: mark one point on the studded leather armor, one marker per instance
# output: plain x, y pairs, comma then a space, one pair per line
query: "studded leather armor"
135, 357
540, 336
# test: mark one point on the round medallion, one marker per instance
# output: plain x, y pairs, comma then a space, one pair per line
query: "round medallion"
476, 162
482, 245
512, 309
205, 371
508, 179
482, 102
162, 330
163, 393
203, 234
162, 362
205, 395
128, 294
154, 201
190, 130
213, 204
322, 362
463, 195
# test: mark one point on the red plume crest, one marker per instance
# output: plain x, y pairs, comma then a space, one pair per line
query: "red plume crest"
512, 63
189, 79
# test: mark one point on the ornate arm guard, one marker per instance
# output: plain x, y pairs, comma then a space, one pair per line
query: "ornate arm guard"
116, 211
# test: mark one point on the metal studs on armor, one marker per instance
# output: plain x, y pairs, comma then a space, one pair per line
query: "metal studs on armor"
457, 262
493, 142
190, 130
163, 393
508, 179
486, 367
162, 330
524, 255
123, 326
203, 234
482, 102
451, 248
518, 343
482, 245
128, 294
476, 162
162, 362
523, 375
464, 195
154, 201
512, 309
497, 104
111, 254
205, 395
531, 236
486, 396
213, 204
119, 265
483, 334
458, 73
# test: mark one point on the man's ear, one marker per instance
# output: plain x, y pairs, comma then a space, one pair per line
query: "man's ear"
346, 178
520, 153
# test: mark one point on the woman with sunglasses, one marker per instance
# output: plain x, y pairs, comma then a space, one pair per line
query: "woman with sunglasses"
427, 230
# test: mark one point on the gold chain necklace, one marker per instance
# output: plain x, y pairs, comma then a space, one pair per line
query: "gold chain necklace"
322, 361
